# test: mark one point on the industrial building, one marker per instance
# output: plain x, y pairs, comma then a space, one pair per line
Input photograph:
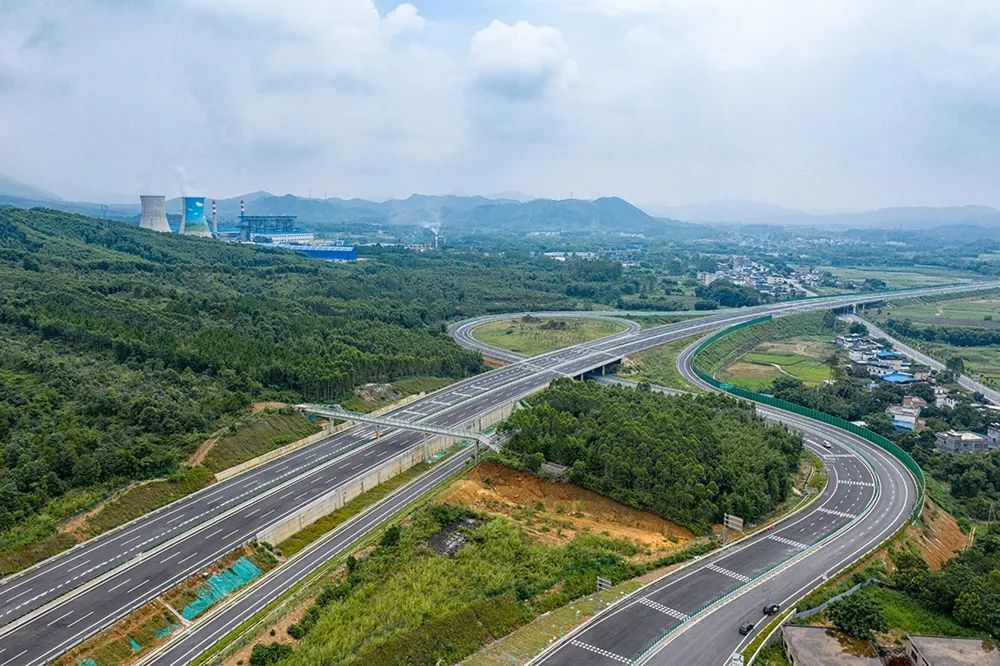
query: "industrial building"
153, 216
324, 252
272, 230
193, 221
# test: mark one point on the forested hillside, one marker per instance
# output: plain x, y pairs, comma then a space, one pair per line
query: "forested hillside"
689, 459
122, 348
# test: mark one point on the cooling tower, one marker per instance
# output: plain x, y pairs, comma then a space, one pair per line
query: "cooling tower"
193, 217
153, 216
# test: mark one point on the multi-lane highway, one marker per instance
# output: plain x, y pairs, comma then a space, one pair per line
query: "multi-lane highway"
692, 616
47, 610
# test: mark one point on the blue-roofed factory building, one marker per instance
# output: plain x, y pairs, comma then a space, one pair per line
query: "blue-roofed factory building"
325, 252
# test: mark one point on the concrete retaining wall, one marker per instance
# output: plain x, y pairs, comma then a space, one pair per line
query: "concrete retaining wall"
341, 495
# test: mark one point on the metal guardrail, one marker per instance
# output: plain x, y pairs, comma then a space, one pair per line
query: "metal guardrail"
808, 412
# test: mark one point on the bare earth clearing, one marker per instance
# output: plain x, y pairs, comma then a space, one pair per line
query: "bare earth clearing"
555, 512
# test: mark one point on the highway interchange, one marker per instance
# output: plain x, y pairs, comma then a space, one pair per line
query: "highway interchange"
47, 610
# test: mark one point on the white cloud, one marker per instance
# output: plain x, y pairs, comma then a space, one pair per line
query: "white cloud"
520, 61
826, 104
403, 20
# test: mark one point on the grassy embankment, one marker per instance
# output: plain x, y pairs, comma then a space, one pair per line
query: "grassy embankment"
537, 336
981, 311
753, 357
659, 365
802, 357
372, 397
256, 434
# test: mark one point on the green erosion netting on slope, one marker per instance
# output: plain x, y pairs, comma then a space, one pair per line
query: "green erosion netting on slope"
770, 400
218, 586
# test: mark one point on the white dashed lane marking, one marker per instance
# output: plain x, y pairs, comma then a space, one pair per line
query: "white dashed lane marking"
677, 615
603, 653
836, 513
727, 572
787, 542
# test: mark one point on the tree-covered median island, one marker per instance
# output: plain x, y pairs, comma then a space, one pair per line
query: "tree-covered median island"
686, 458
123, 348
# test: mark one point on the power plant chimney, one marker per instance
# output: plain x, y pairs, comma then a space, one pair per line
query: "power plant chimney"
215, 221
193, 217
153, 215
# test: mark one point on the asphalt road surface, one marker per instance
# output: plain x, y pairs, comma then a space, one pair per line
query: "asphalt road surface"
692, 615
49, 609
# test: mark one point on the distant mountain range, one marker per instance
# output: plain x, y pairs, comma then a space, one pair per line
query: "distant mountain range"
450, 214
515, 213
736, 211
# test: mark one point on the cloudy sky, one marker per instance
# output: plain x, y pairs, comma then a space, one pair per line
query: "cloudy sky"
839, 105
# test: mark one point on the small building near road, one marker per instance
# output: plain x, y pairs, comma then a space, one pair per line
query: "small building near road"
904, 418
945, 651
899, 378
826, 646
959, 441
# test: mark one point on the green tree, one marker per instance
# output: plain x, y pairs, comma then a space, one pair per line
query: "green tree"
265, 654
390, 538
857, 328
858, 616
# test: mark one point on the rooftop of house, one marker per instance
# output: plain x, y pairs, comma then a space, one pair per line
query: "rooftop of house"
946, 651
826, 646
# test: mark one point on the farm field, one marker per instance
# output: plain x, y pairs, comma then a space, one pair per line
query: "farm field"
531, 335
972, 312
981, 311
902, 278
805, 359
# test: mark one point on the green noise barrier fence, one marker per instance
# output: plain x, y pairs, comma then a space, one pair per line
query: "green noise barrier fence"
771, 401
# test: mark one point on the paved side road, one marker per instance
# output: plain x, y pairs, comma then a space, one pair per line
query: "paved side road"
963, 380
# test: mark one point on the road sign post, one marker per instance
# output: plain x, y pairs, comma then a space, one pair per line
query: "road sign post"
730, 522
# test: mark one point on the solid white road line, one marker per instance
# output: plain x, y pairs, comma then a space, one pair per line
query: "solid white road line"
136, 587
60, 618
77, 566
16, 656
80, 619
